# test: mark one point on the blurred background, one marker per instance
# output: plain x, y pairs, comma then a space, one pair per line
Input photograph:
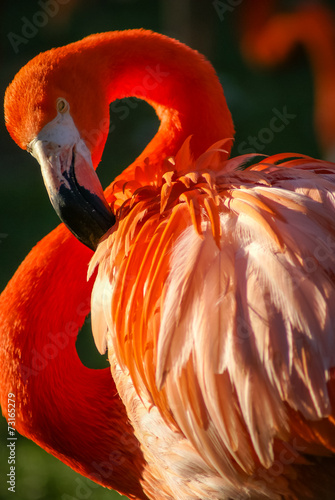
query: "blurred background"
262, 77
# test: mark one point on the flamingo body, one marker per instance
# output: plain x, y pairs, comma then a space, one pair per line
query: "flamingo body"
213, 286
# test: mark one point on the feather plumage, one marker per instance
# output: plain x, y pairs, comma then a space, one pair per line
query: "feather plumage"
229, 316
213, 291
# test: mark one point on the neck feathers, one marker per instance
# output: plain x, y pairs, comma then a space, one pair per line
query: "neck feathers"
71, 411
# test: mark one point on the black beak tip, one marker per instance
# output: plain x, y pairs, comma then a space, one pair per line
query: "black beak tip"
88, 218
93, 239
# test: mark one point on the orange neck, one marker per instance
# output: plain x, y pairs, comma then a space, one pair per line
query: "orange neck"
69, 410
177, 81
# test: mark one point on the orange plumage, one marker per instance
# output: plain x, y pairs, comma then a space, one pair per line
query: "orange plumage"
213, 292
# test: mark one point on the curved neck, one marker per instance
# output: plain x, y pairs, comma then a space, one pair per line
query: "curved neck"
71, 411
177, 81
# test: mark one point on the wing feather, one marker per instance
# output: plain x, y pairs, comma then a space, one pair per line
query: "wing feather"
222, 307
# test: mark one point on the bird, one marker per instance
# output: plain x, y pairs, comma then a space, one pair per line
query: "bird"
210, 280
268, 39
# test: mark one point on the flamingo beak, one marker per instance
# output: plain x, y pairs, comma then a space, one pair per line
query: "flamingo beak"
73, 186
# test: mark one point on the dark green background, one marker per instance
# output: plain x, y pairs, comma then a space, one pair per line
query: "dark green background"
26, 214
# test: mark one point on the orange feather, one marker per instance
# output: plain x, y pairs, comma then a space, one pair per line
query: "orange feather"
213, 289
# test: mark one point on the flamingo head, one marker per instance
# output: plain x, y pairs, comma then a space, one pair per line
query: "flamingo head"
50, 110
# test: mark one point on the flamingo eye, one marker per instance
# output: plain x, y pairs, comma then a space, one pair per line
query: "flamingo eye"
62, 105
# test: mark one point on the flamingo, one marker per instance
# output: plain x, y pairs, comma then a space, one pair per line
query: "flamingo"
269, 38
211, 286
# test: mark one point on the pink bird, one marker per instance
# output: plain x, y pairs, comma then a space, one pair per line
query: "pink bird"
214, 291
